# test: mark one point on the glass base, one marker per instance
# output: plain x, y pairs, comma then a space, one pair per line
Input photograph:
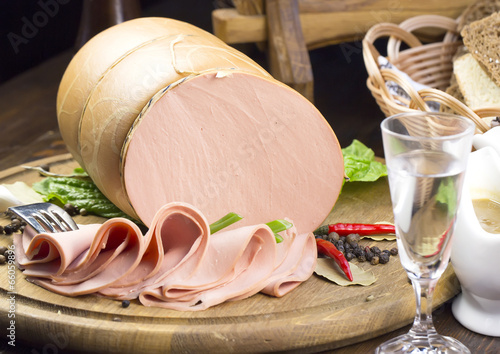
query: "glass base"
435, 344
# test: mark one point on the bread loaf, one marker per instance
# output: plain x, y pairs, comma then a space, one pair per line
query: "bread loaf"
477, 11
482, 39
475, 84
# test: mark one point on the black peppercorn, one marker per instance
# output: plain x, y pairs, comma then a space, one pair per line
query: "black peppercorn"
71, 209
369, 255
394, 251
384, 258
2, 259
359, 252
3, 249
15, 227
349, 256
333, 236
353, 238
15, 222
8, 229
376, 250
125, 303
362, 258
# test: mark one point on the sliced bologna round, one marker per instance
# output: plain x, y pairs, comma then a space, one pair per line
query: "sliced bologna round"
157, 111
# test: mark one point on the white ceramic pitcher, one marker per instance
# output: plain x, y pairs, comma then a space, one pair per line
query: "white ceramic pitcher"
476, 253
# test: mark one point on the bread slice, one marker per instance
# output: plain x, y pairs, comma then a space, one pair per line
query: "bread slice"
482, 39
453, 89
475, 85
477, 11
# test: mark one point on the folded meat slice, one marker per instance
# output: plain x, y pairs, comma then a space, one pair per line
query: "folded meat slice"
176, 242
238, 264
298, 265
52, 253
178, 264
115, 251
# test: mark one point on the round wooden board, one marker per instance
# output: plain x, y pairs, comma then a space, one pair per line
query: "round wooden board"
316, 316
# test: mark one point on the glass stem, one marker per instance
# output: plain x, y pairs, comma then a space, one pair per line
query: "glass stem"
423, 327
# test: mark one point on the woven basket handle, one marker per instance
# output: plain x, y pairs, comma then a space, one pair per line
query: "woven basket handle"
423, 21
435, 95
415, 98
379, 31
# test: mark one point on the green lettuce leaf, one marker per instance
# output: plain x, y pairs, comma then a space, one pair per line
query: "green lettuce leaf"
447, 195
79, 192
360, 164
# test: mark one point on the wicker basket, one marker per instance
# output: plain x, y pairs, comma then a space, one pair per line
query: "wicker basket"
428, 64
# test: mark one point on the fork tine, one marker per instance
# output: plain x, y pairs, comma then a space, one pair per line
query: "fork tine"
61, 221
64, 219
53, 220
41, 217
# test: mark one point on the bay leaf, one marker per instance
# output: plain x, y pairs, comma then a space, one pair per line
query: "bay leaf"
388, 237
327, 268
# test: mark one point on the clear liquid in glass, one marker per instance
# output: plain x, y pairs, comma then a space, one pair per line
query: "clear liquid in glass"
425, 201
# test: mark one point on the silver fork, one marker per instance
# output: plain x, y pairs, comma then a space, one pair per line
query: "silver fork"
45, 217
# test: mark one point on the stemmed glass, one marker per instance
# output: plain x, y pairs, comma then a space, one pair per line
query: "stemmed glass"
426, 156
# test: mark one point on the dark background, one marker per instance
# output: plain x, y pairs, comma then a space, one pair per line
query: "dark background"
31, 34
32, 31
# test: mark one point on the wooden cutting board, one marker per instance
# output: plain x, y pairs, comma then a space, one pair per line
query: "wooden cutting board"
316, 316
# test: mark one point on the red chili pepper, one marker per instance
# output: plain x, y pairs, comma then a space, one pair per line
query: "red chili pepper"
328, 249
442, 239
361, 229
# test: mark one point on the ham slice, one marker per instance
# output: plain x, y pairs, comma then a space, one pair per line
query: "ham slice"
178, 264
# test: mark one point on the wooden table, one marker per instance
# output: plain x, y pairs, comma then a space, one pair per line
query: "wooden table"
29, 131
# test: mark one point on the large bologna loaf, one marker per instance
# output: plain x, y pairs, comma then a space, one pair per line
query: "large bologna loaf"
157, 110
